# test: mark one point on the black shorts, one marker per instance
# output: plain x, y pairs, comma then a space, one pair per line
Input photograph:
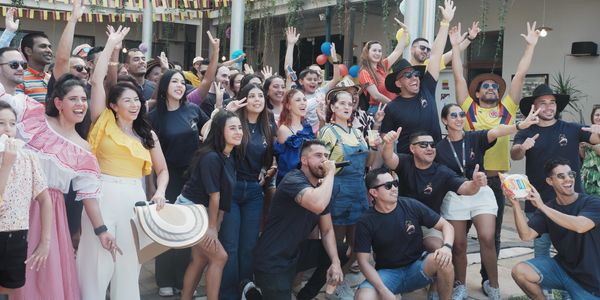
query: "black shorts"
13, 253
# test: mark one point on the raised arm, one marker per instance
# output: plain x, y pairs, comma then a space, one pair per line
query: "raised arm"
460, 84
402, 39
98, 101
390, 158
317, 199
65, 44
336, 69
472, 187
440, 39
10, 27
579, 224
113, 66
518, 151
516, 84
504, 130
525, 232
291, 39
473, 31
211, 71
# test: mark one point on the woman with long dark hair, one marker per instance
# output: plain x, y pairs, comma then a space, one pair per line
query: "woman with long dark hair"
212, 178
127, 150
177, 124
274, 88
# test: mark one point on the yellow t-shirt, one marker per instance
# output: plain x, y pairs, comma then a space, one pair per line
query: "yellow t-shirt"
192, 78
118, 154
352, 138
442, 64
479, 118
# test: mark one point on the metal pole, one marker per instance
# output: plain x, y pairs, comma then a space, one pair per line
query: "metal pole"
412, 19
237, 25
327, 33
147, 27
429, 20
349, 38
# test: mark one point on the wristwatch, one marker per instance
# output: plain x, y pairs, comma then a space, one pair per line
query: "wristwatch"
100, 229
517, 125
447, 245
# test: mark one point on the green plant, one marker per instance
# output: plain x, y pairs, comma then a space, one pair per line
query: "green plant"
294, 12
565, 85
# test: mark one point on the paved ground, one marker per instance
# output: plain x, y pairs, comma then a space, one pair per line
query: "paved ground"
513, 251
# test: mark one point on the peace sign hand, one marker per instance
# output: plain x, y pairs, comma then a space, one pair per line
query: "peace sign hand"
380, 114
214, 42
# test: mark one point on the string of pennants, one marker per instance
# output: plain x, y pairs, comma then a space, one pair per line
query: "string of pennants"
131, 10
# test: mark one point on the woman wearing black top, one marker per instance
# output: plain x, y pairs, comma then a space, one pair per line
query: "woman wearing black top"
212, 177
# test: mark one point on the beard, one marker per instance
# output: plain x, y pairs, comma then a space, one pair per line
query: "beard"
316, 171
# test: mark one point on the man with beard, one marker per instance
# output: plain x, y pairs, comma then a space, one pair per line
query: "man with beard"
38, 52
12, 67
572, 220
549, 139
135, 63
487, 107
299, 204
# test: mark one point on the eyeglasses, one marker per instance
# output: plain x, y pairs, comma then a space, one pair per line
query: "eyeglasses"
563, 176
454, 115
425, 48
14, 64
409, 75
424, 145
387, 185
486, 86
80, 68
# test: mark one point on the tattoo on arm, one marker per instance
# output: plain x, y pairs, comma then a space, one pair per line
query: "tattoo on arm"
300, 195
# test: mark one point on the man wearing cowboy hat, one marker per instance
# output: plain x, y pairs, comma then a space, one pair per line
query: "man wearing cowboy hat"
487, 106
415, 108
549, 139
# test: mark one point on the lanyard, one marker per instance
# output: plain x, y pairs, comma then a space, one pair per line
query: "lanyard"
463, 166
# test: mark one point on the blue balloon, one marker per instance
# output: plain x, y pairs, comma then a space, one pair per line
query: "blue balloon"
353, 71
326, 48
236, 54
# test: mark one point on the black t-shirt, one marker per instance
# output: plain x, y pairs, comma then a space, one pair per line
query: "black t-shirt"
288, 225
475, 145
414, 114
428, 186
208, 102
213, 173
398, 247
178, 132
559, 140
251, 165
578, 253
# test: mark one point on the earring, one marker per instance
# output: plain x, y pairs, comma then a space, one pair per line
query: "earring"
332, 117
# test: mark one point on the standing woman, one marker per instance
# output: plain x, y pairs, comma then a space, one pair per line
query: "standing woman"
463, 152
127, 149
292, 132
240, 228
212, 178
177, 124
64, 157
590, 168
274, 88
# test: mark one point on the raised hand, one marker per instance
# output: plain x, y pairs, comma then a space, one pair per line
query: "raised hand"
290, 35
392, 136
9, 22
116, 36
448, 10
219, 92
333, 53
234, 105
214, 42
530, 142
380, 114
321, 114
532, 34
248, 69
266, 72
455, 36
164, 61
535, 198
10, 153
78, 10
531, 119
328, 167
479, 177
474, 30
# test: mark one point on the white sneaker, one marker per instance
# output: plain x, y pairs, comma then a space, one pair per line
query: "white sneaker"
460, 292
166, 292
432, 295
493, 293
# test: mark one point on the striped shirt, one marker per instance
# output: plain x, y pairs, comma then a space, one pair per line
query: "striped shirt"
35, 84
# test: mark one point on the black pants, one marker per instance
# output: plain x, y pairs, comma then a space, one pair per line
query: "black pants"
496, 186
278, 286
74, 209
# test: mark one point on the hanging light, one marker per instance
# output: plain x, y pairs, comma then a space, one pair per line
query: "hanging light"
543, 30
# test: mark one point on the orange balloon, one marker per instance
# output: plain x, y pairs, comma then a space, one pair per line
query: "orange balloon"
321, 59
343, 70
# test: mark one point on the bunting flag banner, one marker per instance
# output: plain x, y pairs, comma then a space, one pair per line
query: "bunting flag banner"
186, 4
4, 10
20, 12
31, 13
45, 15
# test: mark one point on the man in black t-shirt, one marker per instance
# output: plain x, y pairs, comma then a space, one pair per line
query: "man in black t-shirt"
571, 219
425, 180
299, 204
400, 265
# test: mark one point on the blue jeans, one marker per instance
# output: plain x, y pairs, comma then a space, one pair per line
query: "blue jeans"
403, 280
239, 234
553, 276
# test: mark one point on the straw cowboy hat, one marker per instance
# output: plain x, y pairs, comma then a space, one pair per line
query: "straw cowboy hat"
346, 85
483, 77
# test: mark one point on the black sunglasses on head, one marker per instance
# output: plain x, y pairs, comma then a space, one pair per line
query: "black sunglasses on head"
14, 64
387, 185
424, 145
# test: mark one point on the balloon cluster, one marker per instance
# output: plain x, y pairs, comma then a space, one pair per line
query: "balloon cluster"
326, 52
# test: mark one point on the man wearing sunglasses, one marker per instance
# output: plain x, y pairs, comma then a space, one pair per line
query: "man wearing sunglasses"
426, 180
572, 221
12, 67
400, 266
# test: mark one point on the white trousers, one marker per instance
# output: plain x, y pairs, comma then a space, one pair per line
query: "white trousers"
95, 264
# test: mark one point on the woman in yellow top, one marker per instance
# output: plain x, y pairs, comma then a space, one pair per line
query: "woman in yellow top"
126, 149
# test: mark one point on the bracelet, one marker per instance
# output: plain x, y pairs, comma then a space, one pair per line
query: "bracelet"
517, 125
113, 63
444, 23
100, 229
471, 39
447, 246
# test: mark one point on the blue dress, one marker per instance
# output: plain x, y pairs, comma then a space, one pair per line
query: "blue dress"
288, 153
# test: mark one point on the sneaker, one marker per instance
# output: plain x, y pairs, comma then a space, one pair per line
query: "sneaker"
433, 295
492, 293
249, 290
166, 292
548, 294
342, 292
460, 292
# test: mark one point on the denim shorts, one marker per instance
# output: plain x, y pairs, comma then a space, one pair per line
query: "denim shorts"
553, 276
403, 280
184, 201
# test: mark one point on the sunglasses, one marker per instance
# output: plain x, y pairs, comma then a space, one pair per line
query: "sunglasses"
425, 48
563, 176
14, 64
409, 75
424, 145
486, 86
80, 68
387, 185
454, 115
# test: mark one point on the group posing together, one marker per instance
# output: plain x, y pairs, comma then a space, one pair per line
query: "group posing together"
313, 174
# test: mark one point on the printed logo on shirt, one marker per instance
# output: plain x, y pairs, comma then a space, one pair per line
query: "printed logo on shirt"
472, 155
562, 140
264, 142
494, 114
423, 102
429, 189
409, 227
194, 125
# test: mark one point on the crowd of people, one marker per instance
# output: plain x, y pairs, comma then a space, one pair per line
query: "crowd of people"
296, 174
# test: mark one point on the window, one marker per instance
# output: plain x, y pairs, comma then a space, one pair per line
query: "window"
480, 56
